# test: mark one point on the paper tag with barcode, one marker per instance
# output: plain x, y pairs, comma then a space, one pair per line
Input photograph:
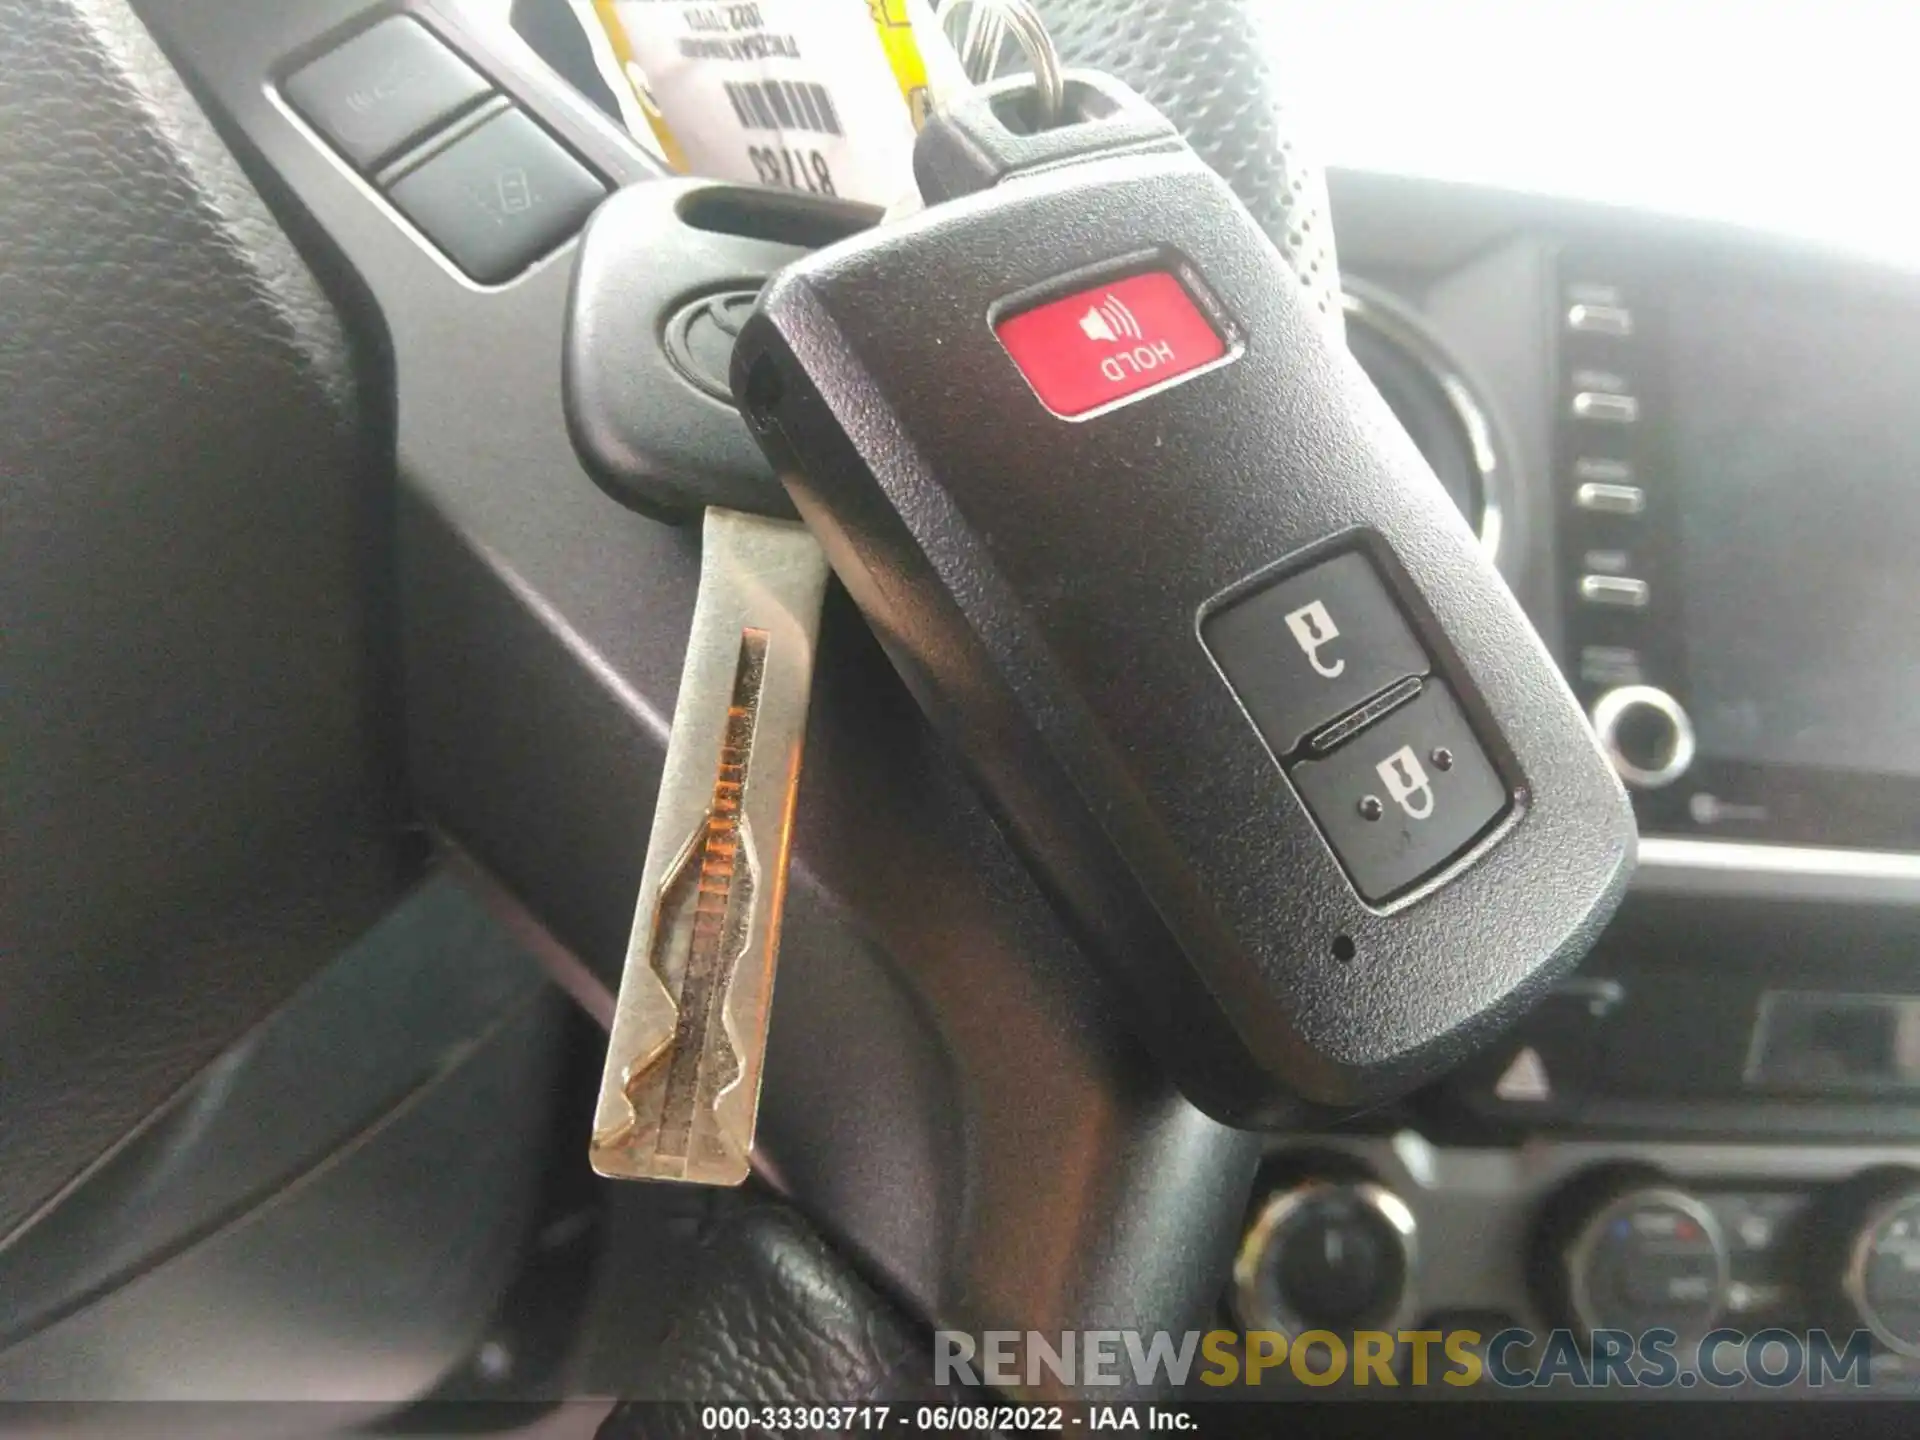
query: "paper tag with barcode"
818, 96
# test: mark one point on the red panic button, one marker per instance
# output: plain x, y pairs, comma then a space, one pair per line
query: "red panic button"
1104, 344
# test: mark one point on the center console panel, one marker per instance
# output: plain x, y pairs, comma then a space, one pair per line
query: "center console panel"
1707, 496
1737, 517
1390, 1232
1709, 484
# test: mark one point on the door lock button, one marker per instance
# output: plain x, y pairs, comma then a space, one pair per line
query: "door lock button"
1405, 796
1307, 649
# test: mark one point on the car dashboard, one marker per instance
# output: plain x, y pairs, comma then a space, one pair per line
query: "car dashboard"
1690, 449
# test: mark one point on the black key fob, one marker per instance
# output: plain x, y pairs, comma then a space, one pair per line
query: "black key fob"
1231, 669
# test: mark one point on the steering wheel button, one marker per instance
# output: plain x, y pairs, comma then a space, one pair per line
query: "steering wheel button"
1101, 345
498, 199
1308, 649
383, 88
1432, 790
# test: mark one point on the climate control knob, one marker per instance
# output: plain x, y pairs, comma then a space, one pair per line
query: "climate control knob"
1326, 1255
1628, 1250
1869, 1252
1646, 735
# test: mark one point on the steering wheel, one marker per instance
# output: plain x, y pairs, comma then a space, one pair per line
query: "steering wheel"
308, 596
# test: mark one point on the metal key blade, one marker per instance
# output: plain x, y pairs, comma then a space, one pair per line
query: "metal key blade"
682, 1084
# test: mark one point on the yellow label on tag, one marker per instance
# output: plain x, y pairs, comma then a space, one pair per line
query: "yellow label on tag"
891, 19
608, 14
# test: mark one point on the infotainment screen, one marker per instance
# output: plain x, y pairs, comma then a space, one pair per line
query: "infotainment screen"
1793, 452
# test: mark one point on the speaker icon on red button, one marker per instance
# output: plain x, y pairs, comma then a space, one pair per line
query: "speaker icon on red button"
1090, 349
1110, 320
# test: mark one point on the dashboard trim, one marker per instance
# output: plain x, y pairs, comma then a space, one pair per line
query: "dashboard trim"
1680, 866
1374, 308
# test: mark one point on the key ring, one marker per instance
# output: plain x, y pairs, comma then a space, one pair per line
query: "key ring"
988, 23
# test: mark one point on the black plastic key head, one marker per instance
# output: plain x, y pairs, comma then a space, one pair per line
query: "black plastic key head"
667, 272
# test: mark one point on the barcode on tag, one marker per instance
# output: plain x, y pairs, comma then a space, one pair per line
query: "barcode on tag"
819, 96
784, 105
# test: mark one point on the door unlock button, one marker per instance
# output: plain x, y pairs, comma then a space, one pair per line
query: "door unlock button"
1405, 796
1307, 649
1407, 783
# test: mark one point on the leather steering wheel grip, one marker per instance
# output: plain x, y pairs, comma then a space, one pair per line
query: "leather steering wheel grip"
770, 1315
198, 807
1215, 69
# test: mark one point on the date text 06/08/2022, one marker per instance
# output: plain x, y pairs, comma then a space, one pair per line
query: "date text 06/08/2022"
995, 1419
